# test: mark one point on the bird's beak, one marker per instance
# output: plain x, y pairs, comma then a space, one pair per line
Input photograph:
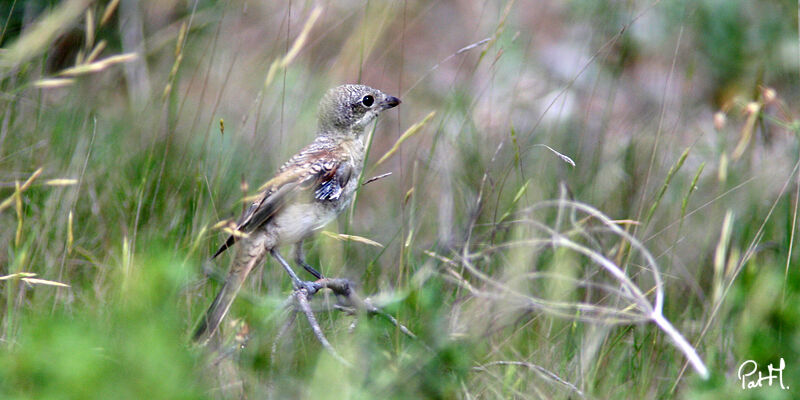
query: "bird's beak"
390, 102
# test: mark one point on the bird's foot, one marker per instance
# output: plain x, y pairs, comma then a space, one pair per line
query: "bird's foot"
309, 287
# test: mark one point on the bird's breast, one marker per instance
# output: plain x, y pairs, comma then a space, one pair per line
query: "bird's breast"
299, 220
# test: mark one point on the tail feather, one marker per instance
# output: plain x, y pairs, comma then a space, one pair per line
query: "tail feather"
218, 309
228, 243
247, 258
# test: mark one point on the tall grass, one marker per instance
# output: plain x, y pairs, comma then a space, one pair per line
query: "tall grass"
586, 199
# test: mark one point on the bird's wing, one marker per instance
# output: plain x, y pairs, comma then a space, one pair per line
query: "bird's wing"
314, 172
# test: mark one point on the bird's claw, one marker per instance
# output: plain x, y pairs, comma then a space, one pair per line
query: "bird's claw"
310, 288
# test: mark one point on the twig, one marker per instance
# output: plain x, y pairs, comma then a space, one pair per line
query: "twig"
301, 297
284, 329
343, 287
350, 303
375, 178
371, 309
637, 305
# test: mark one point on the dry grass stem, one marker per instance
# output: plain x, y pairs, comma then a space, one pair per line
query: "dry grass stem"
42, 34
375, 178
29, 277
352, 238
405, 136
99, 65
575, 233
563, 157
349, 302
53, 83
284, 61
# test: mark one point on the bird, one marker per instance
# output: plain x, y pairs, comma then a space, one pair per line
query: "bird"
307, 193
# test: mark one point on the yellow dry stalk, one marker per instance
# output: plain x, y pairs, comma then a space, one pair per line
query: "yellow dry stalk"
753, 111
99, 65
89, 28
7, 202
101, 45
42, 33
18, 203
176, 65
411, 131
28, 277
61, 182
109, 11
352, 238
235, 232
53, 83
70, 237
284, 61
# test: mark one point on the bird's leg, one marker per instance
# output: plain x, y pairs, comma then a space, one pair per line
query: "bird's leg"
300, 258
310, 287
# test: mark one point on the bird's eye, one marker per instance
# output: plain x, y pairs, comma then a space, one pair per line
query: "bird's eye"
367, 101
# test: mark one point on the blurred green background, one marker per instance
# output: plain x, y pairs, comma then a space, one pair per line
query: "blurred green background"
680, 116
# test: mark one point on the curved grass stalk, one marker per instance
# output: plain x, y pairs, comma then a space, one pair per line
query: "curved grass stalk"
633, 304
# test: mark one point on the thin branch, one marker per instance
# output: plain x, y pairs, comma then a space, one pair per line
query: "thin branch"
350, 302
284, 329
375, 178
637, 308
301, 298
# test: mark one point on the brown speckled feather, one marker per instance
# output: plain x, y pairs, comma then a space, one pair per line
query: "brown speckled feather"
316, 167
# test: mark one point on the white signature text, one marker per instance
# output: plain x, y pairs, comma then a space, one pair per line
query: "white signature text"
747, 375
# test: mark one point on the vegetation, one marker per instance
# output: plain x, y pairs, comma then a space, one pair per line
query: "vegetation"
575, 187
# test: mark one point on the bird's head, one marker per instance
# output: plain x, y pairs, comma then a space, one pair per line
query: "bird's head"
349, 108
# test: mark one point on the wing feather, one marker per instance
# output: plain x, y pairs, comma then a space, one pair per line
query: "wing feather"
314, 170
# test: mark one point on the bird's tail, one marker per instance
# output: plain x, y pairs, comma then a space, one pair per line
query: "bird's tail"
210, 322
242, 265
